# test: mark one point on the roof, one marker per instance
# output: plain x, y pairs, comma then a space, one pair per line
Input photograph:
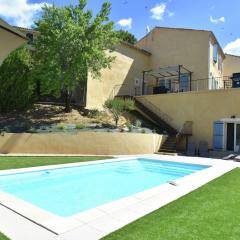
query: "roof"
136, 48
25, 29
185, 29
11, 29
231, 55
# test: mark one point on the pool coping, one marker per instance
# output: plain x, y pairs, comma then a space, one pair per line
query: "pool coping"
109, 217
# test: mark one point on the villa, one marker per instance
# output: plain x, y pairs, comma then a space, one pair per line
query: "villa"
178, 77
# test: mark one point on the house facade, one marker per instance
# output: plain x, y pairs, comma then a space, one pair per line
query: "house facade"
182, 75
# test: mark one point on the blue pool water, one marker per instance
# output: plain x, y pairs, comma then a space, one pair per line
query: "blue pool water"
70, 190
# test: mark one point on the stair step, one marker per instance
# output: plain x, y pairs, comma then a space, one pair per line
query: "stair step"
157, 119
167, 150
167, 153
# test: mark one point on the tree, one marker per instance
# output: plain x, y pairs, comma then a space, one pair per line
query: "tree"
70, 45
17, 85
118, 106
126, 36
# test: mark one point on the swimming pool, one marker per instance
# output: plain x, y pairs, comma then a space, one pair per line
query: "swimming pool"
70, 190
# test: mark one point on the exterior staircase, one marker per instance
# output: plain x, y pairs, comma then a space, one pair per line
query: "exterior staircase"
169, 146
161, 120
153, 113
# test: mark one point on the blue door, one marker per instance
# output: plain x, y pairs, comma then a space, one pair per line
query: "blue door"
184, 83
218, 136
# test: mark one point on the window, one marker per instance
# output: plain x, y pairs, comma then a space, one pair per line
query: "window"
215, 53
184, 83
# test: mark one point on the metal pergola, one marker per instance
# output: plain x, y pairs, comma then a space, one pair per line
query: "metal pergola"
167, 72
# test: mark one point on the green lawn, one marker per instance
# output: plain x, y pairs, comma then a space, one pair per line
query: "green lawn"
3, 237
209, 213
23, 162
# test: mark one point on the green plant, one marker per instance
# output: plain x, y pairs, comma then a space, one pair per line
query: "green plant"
126, 36
118, 106
17, 87
94, 113
129, 125
138, 123
71, 43
61, 126
32, 130
143, 130
80, 126
154, 131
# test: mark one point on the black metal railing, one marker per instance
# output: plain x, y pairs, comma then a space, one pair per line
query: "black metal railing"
173, 86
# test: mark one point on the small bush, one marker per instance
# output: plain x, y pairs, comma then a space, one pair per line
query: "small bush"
94, 113
129, 125
61, 126
138, 123
143, 130
118, 106
32, 130
80, 126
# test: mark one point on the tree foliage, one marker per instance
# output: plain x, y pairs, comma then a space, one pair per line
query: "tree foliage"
118, 106
126, 36
72, 43
17, 85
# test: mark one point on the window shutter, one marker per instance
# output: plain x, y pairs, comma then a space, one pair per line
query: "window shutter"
218, 134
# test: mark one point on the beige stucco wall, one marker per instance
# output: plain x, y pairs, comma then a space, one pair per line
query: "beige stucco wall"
8, 42
128, 66
191, 48
202, 108
81, 143
215, 73
231, 65
171, 47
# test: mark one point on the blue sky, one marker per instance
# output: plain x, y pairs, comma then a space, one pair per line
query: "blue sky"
220, 16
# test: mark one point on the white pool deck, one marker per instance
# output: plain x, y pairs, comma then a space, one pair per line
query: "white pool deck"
20, 220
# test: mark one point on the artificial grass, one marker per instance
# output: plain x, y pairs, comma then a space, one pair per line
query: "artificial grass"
209, 213
24, 162
3, 237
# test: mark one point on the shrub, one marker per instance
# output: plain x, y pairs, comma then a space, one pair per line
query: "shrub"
118, 106
16, 81
32, 130
138, 123
129, 125
94, 113
143, 130
61, 126
80, 126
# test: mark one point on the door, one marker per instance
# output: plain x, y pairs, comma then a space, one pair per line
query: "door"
184, 83
230, 136
218, 131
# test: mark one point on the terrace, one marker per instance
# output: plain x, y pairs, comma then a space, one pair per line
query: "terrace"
174, 79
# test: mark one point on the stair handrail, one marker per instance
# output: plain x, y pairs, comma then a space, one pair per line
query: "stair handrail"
116, 88
156, 110
186, 129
